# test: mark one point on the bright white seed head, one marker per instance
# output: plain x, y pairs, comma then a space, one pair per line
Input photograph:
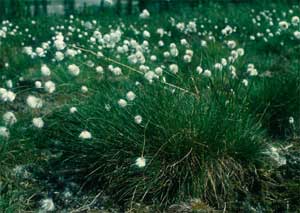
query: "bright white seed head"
291, 120
45, 70
140, 162
38, 84
138, 119
9, 118
85, 135
34, 102
99, 70
199, 69
38, 122
50, 87
84, 89
130, 96
122, 103
174, 68
73, 70
4, 133
73, 110
207, 73
47, 205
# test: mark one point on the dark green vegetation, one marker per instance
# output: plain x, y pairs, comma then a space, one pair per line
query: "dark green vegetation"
226, 140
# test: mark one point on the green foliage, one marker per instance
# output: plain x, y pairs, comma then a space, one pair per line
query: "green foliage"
202, 137
189, 144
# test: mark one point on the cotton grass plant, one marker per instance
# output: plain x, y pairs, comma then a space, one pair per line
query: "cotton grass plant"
182, 146
153, 111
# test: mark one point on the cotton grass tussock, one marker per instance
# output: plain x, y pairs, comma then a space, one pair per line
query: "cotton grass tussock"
156, 111
168, 115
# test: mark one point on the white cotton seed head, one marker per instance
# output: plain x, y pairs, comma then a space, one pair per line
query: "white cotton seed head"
4, 133
199, 69
297, 34
6, 95
240, 51
231, 44
45, 70
59, 56
107, 107
108, 2
34, 102
50, 87
38, 122
146, 34
38, 84
145, 14
130, 96
9, 118
73, 110
40, 52
218, 66
99, 70
283, 25
207, 73
85, 135
11, 96
138, 119
84, 89
153, 58
161, 43
9, 84
174, 68
47, 205
3, 94
166, 54
122, 103
295, 20
150, 75
183, 42
158, 71
117, 71
71, 52
140, 162
73, 70
252, 72
291, 120
245, 82
59, 44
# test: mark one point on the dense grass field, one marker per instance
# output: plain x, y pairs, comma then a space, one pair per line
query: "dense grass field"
189, 110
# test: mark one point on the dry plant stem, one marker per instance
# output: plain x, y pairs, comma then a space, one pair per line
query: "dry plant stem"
134, 70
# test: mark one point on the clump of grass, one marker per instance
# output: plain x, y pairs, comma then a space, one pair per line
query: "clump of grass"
275, 101
193, 147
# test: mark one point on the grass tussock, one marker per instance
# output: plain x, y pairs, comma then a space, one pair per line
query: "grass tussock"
200, 108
